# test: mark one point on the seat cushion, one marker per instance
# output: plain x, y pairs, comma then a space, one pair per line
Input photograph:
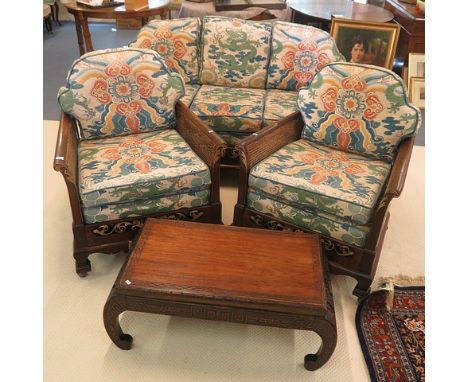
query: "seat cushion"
232, 139
119, 92
148, 206
298, 52
358, 108
230, 109
278, 104
235, 52
177, 42
308, 218
142, 166
190, 92
335, 182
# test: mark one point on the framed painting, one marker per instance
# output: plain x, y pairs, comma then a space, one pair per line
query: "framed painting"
365, 42
417, 91
416, 66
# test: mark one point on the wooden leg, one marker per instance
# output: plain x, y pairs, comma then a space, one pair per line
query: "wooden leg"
114, 306
48, 24
327, 332
55, 12
82, 263
79, 34
86, 34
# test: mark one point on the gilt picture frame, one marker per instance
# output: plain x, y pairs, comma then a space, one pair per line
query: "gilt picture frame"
417, 91
416, 66
376, 42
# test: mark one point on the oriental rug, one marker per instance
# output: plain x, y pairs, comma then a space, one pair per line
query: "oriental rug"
391, 329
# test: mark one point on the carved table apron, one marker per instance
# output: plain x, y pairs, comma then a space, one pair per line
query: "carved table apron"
217, 272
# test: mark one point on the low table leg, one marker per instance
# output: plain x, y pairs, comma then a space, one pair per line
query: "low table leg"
327, 332
114, 306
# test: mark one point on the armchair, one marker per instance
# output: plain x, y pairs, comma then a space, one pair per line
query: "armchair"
334, 166
128, 149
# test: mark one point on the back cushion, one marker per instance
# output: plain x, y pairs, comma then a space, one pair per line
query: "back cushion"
121, 91
358, 108
177, 42
235, 52
298, 52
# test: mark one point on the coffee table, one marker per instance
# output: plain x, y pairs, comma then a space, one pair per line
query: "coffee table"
224, 273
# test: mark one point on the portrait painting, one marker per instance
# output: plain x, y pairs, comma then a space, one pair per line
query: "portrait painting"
366, 43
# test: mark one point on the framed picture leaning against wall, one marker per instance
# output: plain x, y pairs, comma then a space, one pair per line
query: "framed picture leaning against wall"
365, 42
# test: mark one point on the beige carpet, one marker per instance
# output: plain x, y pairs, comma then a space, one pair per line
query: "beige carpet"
77, 348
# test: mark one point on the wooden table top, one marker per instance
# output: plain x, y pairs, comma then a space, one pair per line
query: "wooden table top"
111, 11
224, 265
324, 9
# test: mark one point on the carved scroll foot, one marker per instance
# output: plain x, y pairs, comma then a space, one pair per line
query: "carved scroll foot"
112, 310
327, 332
82, 265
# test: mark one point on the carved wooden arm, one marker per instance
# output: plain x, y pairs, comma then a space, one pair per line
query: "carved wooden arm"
260, 146
204, 141
65, 161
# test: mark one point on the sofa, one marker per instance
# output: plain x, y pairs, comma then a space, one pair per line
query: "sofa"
240, 76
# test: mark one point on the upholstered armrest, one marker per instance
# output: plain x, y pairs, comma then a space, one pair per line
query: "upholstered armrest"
205, 142
66, 150
259, 146
397, 176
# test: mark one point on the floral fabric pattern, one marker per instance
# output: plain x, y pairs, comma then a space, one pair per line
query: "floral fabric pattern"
232, 139
177, 42
358, 108
124, 169
119, 92
313, 176
278, 104
149, 206
308, 218
230, 109
190, 93
235, 52
298, 53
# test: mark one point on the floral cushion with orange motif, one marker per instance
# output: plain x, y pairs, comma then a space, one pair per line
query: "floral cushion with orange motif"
358, 108
119, 92
298, 52
138, 167
304, 174
177, 42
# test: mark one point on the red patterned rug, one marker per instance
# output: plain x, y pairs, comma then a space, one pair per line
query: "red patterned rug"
393, 340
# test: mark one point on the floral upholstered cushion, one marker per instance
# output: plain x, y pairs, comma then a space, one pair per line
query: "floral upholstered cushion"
335, 182
278, 104
190, 93
235, 52
155, 205
298, 52
358, 108
121, 169
308, 218
230, 109
177, 42
121, 91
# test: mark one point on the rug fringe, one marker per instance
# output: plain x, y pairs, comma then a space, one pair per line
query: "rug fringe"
387, 284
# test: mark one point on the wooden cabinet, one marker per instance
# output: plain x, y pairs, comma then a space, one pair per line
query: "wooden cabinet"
412, 36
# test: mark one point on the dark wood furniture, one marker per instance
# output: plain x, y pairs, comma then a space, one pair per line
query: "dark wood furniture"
320, 12
82, 13
226, 273
343, 258
233, 5
115, 235
54, 8
412, 35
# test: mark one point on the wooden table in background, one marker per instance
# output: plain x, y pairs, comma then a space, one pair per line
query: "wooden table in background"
224, 273
82, 13
321, 11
